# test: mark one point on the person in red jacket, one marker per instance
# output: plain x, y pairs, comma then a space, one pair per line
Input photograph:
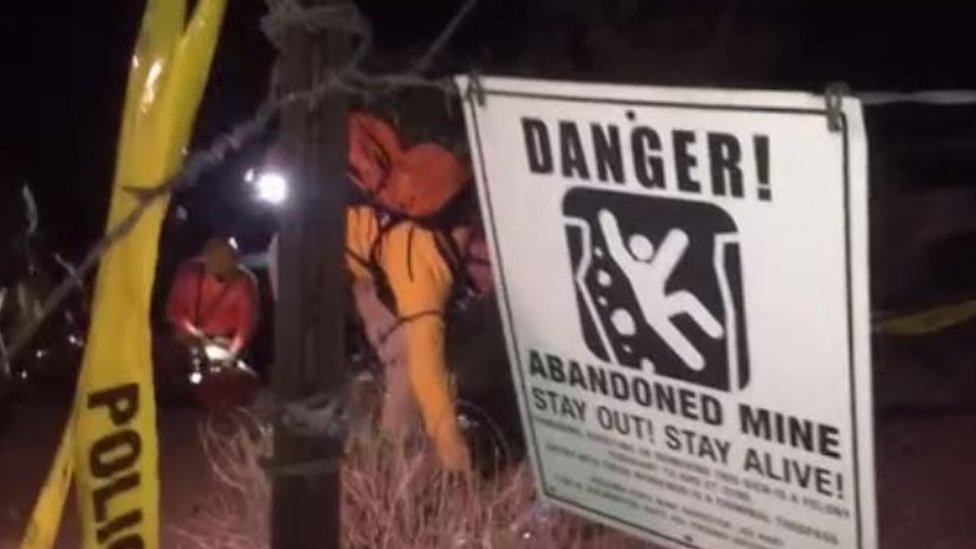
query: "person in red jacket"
214, 297
213, 304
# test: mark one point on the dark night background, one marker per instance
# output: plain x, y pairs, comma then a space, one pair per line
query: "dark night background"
61, 88
64, 72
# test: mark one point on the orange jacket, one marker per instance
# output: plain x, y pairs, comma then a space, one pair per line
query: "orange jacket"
418, 180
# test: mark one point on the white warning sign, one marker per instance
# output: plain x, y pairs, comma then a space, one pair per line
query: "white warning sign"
683, 278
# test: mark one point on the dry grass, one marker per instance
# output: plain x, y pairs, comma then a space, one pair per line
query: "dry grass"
393, 496
398, 497
235, 515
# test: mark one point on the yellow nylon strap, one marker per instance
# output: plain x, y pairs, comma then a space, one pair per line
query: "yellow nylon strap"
930, 321
110, 440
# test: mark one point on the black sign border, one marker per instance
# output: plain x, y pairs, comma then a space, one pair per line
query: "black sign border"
508, 309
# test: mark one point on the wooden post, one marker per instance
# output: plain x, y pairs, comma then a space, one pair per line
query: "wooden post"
309, 318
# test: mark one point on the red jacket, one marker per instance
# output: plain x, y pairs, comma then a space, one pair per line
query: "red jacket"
217, 308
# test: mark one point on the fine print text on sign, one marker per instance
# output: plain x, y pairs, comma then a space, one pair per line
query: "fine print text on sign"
683, 279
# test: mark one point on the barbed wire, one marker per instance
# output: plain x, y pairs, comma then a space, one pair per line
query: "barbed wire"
282, 16
438, 45
925, 97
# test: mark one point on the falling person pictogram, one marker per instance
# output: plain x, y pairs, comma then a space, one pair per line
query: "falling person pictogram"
648, 271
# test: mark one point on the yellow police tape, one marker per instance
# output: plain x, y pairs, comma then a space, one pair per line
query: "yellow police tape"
110, 439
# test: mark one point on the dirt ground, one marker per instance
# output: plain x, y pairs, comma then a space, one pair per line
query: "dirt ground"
926, 492
28, 436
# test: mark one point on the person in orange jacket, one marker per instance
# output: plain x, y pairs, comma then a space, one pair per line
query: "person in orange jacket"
394, 246
405, 259
421, 278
